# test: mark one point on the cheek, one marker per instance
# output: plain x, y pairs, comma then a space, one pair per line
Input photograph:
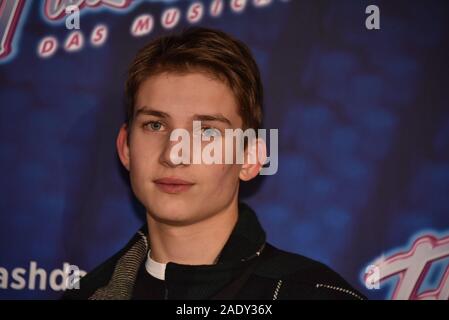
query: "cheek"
222, 177
142, 152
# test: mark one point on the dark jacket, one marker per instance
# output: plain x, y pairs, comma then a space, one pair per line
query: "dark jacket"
248, 268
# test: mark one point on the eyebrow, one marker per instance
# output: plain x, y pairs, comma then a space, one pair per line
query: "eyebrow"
212, 117
151, 112
201, 117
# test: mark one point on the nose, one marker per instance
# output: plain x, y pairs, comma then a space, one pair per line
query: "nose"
176, 153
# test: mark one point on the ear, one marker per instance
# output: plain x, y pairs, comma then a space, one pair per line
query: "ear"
254, 158
122, 146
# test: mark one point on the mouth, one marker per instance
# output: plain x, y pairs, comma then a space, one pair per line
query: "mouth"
173, 185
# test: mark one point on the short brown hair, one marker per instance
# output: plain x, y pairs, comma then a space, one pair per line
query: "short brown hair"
201, 49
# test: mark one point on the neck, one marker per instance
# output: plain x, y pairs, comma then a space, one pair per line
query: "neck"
195, 244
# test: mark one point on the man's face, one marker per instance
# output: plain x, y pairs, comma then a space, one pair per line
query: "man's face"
166, 102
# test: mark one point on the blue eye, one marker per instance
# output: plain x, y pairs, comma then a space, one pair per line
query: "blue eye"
210, 132
154, 125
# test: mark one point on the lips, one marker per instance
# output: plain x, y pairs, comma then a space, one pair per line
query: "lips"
173, 185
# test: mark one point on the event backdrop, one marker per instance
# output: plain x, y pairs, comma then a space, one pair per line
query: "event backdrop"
359, 95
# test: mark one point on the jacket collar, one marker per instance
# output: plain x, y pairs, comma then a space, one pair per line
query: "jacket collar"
247, 239
245, 243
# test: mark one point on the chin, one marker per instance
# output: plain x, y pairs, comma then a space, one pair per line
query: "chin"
173, 212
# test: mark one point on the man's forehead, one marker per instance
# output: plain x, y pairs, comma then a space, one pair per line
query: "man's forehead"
194, 95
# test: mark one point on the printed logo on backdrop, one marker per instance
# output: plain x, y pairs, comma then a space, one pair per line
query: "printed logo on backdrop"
419, 271
37, 278
67, 14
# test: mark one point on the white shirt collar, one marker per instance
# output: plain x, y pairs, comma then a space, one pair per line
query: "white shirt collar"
155, 268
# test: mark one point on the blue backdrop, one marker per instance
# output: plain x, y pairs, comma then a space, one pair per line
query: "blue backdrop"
363, 123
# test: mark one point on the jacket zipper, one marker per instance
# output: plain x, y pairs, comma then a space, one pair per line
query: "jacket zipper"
276, 291
320, 285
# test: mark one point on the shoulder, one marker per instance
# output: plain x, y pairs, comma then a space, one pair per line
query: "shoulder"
93, 280
102, 274
299, 277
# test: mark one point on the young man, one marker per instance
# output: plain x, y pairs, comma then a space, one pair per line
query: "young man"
199, 241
